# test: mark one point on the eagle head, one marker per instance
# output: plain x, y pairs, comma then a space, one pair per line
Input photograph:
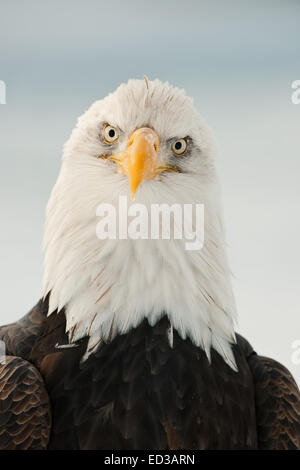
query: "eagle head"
146, 143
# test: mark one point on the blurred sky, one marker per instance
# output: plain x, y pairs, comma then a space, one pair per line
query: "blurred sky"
236, 58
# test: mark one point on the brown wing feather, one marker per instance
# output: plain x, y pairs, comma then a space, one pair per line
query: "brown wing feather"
25, 418
277, 400
20, 337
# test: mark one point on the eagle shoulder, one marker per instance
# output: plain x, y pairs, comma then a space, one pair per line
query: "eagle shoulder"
19, 337
277, 402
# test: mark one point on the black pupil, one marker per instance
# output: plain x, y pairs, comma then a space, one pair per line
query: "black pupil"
111, 133
178, 145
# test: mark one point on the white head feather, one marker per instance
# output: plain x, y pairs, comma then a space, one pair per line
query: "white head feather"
109, 286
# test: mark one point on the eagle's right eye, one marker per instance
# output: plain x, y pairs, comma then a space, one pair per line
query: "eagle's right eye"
180, 147
109, 134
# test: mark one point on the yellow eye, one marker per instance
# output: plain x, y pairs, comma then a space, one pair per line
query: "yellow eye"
109, 134
179, 147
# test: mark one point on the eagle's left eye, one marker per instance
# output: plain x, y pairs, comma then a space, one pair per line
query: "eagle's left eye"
109, 134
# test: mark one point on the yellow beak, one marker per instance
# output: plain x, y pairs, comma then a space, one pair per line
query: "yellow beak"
140, 160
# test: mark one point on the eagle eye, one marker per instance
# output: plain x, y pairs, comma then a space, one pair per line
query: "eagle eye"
109, 134
180, 147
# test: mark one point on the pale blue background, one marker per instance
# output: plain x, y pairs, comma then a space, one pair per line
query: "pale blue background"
237, 58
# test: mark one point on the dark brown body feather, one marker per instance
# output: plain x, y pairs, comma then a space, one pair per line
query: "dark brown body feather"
139, 393
25, 417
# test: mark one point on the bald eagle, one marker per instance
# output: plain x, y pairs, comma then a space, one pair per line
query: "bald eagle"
133, 344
